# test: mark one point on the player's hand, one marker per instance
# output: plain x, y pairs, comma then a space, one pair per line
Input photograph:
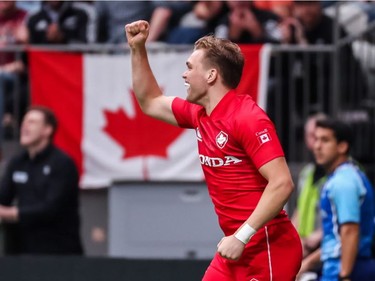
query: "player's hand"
137, 33
230, 248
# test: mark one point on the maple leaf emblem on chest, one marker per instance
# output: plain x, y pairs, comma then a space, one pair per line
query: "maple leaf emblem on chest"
221, 139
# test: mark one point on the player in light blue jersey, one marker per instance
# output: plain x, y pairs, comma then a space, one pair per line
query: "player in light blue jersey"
347, 209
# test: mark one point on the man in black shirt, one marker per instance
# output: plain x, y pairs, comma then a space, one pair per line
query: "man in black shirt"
43, 183
58, 22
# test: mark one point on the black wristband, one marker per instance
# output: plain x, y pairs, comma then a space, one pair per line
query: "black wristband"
343, 278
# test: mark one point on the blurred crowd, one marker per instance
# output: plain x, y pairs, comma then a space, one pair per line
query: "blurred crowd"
181, 21
177, 22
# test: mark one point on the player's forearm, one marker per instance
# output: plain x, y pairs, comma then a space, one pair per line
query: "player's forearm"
274, 198
144, 83
349, 247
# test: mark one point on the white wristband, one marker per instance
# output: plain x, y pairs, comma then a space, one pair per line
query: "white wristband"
245, 233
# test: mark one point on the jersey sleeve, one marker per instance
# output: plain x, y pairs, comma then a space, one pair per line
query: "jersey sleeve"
258, 136
347, 199
185, 113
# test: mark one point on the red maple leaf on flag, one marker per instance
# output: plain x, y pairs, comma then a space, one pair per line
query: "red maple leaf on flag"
140, 135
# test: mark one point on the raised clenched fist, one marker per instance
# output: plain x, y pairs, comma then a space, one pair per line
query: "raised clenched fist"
137, 33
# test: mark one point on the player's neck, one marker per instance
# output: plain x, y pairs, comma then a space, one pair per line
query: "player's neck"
214, 96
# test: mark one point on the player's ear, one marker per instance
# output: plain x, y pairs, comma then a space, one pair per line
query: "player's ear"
212, 75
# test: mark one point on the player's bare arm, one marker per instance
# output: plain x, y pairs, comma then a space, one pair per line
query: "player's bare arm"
280, 186
276, 194
147, 91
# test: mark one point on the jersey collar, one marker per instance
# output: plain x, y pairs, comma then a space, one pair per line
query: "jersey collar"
222, 106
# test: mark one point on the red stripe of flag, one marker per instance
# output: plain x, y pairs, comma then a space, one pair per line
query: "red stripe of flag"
56, 80
250, 76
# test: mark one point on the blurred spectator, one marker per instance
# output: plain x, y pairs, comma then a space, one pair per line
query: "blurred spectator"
113, 15
245, 23
12, 66
311, 178
166, 26
305, 79
309, 25
347, 208
58, 22
42, 181
89, 8
211, 12
281, 8
184, 22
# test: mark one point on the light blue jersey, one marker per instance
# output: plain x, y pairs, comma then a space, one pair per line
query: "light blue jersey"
347, 197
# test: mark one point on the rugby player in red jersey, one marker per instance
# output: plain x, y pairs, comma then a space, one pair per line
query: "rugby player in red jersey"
243, 162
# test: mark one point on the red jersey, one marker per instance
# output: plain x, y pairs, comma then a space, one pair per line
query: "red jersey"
233, 143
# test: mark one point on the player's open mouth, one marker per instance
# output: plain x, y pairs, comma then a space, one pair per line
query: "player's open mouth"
187, 85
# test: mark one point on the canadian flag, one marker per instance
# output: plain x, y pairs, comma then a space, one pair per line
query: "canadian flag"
101, 125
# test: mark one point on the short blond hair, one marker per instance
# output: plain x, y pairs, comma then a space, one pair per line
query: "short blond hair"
223, 55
